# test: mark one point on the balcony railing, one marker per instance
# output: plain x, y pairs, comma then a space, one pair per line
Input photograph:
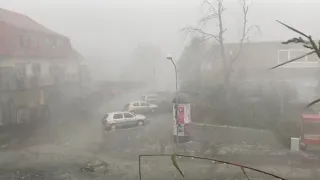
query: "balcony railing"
35, 81
26, 82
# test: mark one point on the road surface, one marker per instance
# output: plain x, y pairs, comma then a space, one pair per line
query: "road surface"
63, 157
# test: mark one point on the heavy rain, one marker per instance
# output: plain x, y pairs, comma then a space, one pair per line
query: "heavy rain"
159, 89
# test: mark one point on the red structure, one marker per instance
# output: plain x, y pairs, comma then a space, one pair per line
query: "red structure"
310, 130
21, 36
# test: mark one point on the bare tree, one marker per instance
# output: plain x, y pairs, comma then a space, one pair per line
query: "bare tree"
215, 10
307, 42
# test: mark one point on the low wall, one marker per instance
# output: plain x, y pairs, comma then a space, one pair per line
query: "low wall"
233, 135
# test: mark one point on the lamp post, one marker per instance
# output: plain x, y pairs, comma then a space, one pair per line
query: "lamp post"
169, 57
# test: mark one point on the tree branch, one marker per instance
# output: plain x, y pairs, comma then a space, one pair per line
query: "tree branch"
293, 29
312, 103
208, 17
313, 44
216, 161
201, 32
211, 6
245, 173
245, 30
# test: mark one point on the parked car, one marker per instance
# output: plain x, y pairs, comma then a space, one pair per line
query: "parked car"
151, 98
140, 107
114, 120
163, 99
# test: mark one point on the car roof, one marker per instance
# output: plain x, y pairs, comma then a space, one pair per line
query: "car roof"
117, 112
151, 94
137, 101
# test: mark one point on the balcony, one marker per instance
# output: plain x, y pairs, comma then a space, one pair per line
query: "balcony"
14, 83
46, 80
26, 82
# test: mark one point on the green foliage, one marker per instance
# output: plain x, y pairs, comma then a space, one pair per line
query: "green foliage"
175, 164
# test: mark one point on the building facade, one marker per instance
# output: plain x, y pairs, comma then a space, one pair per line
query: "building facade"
33, 60
252, 67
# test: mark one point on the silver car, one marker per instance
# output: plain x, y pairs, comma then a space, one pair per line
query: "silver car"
141, 107
114, 120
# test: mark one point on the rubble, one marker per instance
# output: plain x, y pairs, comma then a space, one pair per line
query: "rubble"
248, 149
67, 176
96, 166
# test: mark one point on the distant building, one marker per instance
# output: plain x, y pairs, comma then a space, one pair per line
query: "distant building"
252, 67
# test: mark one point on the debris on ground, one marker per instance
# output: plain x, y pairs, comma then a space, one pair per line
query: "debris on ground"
68, 176
246, 149
95, 166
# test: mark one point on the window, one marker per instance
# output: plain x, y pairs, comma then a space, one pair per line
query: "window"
47, 42
143, 104
117, 116
313, 58
152, 101
152, 97
105, 116
136, 104
24, 41
288, 54
54, 43
283, 56
21, 69
36, 68
51, 43
37, 44
66, 43
297, 53
128, 115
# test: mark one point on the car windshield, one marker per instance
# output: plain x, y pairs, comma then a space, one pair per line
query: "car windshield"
152, 97
87, 86
152, 101
128, 115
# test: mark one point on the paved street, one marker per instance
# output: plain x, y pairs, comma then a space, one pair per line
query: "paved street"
62, 158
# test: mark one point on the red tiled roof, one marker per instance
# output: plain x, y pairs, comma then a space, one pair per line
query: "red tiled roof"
24, 22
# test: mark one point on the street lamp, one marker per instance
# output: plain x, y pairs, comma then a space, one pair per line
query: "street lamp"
169, 57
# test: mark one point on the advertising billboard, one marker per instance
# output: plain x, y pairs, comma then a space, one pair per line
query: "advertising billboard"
183, 120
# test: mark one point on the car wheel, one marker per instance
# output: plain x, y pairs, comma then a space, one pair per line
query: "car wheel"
140, 123
113, 127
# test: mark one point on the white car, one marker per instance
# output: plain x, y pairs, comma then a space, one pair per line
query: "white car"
140, 107
151, 98
114, 120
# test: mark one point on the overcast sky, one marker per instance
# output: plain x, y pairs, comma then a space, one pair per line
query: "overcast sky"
113, 28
